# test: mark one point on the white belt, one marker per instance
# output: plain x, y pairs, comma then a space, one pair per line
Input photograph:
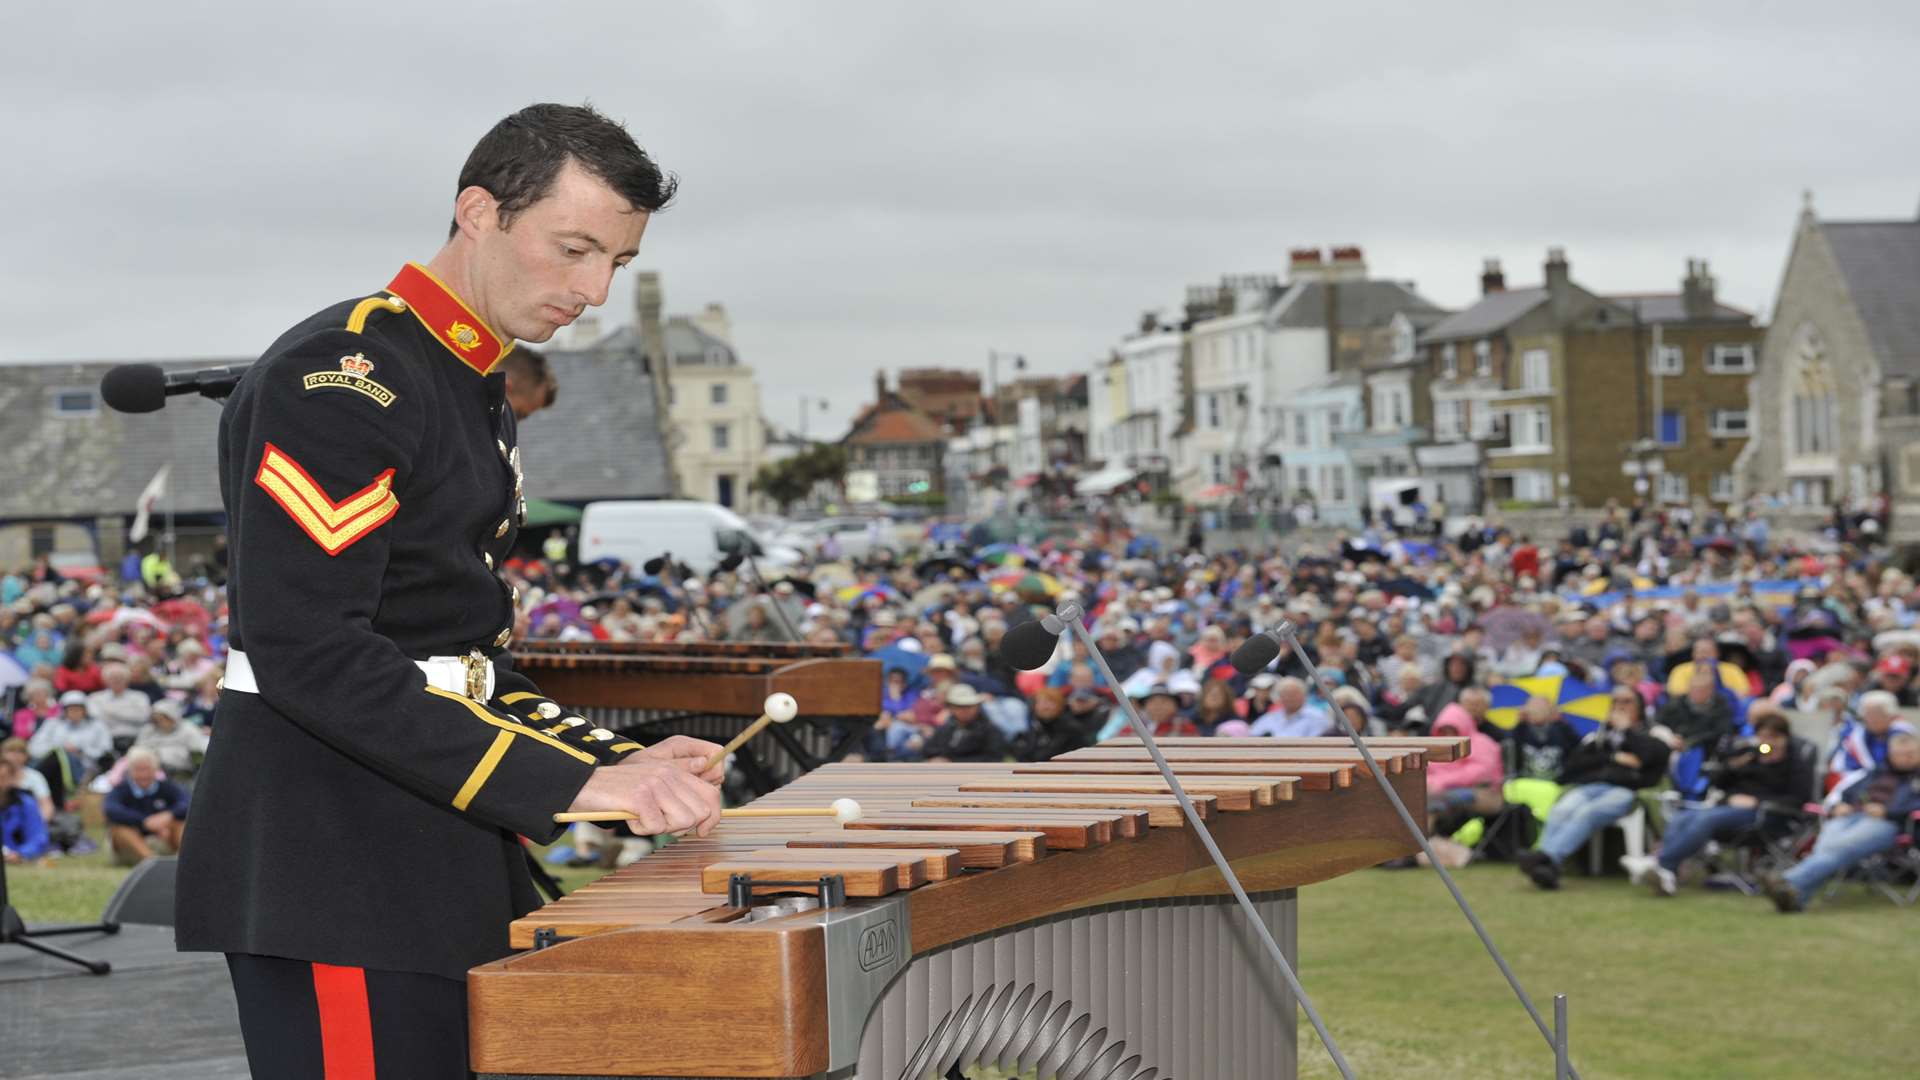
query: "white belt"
449, 673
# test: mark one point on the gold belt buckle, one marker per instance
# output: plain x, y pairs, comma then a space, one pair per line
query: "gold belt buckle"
476, 664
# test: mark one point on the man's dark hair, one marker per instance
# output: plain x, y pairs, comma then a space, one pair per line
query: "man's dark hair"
517, 161
528, 367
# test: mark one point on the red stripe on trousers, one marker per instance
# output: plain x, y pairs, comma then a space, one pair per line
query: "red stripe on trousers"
346, 1028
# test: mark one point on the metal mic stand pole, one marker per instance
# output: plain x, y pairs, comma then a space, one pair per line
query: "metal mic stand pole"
673, 576
1287, 632
1070, 614
778, 610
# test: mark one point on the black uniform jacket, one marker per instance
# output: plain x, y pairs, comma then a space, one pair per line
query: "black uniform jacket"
348, 813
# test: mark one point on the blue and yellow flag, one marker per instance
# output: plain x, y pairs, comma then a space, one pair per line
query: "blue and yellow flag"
1584, 706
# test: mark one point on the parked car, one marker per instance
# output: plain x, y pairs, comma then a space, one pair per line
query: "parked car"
698, 534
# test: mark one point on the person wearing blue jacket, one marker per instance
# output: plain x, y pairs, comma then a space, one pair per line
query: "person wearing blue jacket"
23, 835
144, 807
1866, 821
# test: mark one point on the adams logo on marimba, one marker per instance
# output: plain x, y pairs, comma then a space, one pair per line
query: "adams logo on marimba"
880, 945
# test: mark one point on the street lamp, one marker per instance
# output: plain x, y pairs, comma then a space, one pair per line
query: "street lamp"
805, 400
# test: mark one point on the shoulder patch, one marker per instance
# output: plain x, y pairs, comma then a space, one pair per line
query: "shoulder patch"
354, 376
335, 526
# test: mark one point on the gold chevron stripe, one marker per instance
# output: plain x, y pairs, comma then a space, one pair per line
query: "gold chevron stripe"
335, 516
483, 771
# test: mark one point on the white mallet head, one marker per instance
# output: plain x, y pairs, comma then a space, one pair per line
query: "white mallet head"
781, 708
846, 811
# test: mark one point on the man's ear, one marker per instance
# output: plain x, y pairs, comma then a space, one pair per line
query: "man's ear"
475, 211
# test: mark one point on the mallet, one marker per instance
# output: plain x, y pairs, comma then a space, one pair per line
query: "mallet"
778, 709
846, 811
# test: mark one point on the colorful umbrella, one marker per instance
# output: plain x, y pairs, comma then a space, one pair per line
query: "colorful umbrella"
1584, 706
1004, 554
857, 593
1045, 586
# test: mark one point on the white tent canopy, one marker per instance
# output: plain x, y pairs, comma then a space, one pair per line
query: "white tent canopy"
1104, 481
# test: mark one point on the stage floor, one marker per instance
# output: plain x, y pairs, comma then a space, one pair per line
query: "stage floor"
160, 1014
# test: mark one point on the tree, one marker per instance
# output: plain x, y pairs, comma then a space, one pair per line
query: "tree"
790, 480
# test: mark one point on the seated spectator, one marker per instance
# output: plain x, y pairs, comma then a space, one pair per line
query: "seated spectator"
1699, 717
1359, 714
141, 677
1292, 714
203, 699
37, 706
1706, 664
961, 733
1055, 729
23, 832
1749, 773
1861, 745
1601, 776
1456, 675
1215, 706
70, 747
123, 709
1089, 709
27, 778
177, 744
1161, 710
1522, 655
1259, 696
1406, 656
1471, 783
1865, 821
144, 808
78, 670
1894, 675
941, 672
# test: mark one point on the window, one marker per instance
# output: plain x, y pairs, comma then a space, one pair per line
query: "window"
1532, 428
1722, 487
721, 435
1334, 421
1533, 485
1536, 372
75, 402
1673, 428
1338, 487
1813, 424
1449, 362
1729, 423
1300, 429
1213, 411
1483, 422
1673, 487
717, 394
1217, 468
1483, 357
1730, 360
1399, 401
1669, 360
1449, 419
1303, 479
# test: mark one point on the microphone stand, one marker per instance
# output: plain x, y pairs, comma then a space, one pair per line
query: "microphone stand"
674, 589
779, 611
1287, 634
1070, 614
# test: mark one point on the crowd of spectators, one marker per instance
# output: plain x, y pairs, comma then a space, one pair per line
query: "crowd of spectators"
1704, 636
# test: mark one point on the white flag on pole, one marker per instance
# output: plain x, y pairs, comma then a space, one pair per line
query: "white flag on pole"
149, 498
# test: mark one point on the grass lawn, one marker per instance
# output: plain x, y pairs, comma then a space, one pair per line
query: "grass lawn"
1705, 985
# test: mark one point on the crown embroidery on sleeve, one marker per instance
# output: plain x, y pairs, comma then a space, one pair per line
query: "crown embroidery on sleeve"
335, 526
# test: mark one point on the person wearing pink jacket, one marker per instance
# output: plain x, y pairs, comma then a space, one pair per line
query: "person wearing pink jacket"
1471, 782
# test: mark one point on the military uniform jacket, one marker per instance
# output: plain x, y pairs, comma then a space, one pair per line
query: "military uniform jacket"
349, 813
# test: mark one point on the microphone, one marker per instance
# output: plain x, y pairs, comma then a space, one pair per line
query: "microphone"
1030, 644
143, 388
656, 564
1254, 654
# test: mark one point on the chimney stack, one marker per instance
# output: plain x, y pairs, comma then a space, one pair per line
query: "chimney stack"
880, 385
1696, 291
1559, 285
1347, 264
1492, 280
1304, 265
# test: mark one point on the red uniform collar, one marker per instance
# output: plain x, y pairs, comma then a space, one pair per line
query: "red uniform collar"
449, 319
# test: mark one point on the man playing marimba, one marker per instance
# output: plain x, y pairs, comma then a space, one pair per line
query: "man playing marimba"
356, 826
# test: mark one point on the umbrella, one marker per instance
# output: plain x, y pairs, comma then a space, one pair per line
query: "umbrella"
857, 593
939, 566
1504, 625
1028, 586
1406, 586
893, 656
1583, 706
1680, 673
936, 594
1004, 553
544, 513
11, 673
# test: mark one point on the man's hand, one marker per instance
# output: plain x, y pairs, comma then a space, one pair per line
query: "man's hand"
1631, 761
1841, 810
688, 753
663, 796
1742, 802
157, 822
1874, 809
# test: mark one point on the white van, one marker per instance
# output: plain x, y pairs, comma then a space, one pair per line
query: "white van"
698, 534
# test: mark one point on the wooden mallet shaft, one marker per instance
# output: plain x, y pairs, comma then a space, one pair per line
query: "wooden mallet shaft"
778, 709
846, 810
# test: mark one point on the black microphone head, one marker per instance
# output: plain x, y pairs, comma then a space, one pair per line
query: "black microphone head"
1028, 645
653, 566
134, 388
732, 561
1252, 656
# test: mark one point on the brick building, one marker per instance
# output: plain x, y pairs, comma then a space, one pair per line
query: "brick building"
899, 446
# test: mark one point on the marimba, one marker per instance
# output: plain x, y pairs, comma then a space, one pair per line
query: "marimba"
1059, 916
711, 690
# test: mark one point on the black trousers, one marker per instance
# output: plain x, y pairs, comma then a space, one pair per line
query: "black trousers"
307, 1021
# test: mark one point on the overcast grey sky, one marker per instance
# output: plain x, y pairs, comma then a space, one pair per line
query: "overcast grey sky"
881, 185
